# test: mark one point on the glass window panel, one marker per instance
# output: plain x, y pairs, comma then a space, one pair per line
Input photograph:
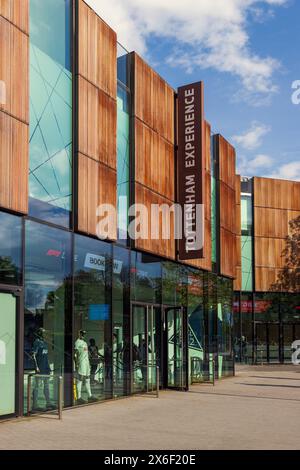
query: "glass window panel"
246, 214
145, 278
247, 328
266, 307
174, 284
47, 303
7, 354
121, 322
123, 66
123, 161
50, 179
290, 308
10, 249
93, 349
247, 263
196, 322
224, 326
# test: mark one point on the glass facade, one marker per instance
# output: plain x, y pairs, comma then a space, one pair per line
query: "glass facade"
225, 327
265, 326
247, 242
10, 249
50, 174
92, 320
47, 309
123, 142
106, 317
121, 322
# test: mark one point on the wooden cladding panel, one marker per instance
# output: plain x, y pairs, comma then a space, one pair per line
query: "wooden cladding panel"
154, 100
268, 252
97, 61
228, 253
17, 12
237, 283
273, 223
264, 278
165, 248
276, 194
96, 186
276, 203
227, 161
13, 164
154, 161
227, 208
14, 70
97, 126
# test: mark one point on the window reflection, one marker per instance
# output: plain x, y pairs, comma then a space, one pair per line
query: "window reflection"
93, 348
121, 322
47, 278
50, 175
10, 249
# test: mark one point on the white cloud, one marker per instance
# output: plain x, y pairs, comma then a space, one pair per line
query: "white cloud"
206, 34
252, 166
264, 165
252, 138
288, 171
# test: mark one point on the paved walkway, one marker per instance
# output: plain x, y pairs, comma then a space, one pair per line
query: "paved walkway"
257, 409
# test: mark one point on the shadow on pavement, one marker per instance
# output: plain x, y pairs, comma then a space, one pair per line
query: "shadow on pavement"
232, 395
269, 385
273, 378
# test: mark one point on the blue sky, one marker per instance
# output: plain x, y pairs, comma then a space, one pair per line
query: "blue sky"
246, 53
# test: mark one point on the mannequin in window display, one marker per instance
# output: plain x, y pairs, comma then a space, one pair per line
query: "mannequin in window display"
83, 368
42, 367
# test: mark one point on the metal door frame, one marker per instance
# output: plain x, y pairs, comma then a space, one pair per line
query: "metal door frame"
146, 306
183, 310
266, 327
17, 292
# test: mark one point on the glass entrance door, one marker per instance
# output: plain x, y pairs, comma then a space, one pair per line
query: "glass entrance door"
288, 338
261, 341
273, 342
7, 354
145, 346
267, 339
176, 348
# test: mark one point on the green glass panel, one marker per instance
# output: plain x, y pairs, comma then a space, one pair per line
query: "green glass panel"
7, 354
247, 263
123, 129
50, 180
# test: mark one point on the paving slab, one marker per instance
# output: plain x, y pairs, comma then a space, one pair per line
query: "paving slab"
257, 409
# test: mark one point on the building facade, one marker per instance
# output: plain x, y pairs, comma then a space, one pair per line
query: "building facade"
85, 123
267, 298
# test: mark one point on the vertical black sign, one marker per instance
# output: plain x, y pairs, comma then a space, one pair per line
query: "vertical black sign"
191, 169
